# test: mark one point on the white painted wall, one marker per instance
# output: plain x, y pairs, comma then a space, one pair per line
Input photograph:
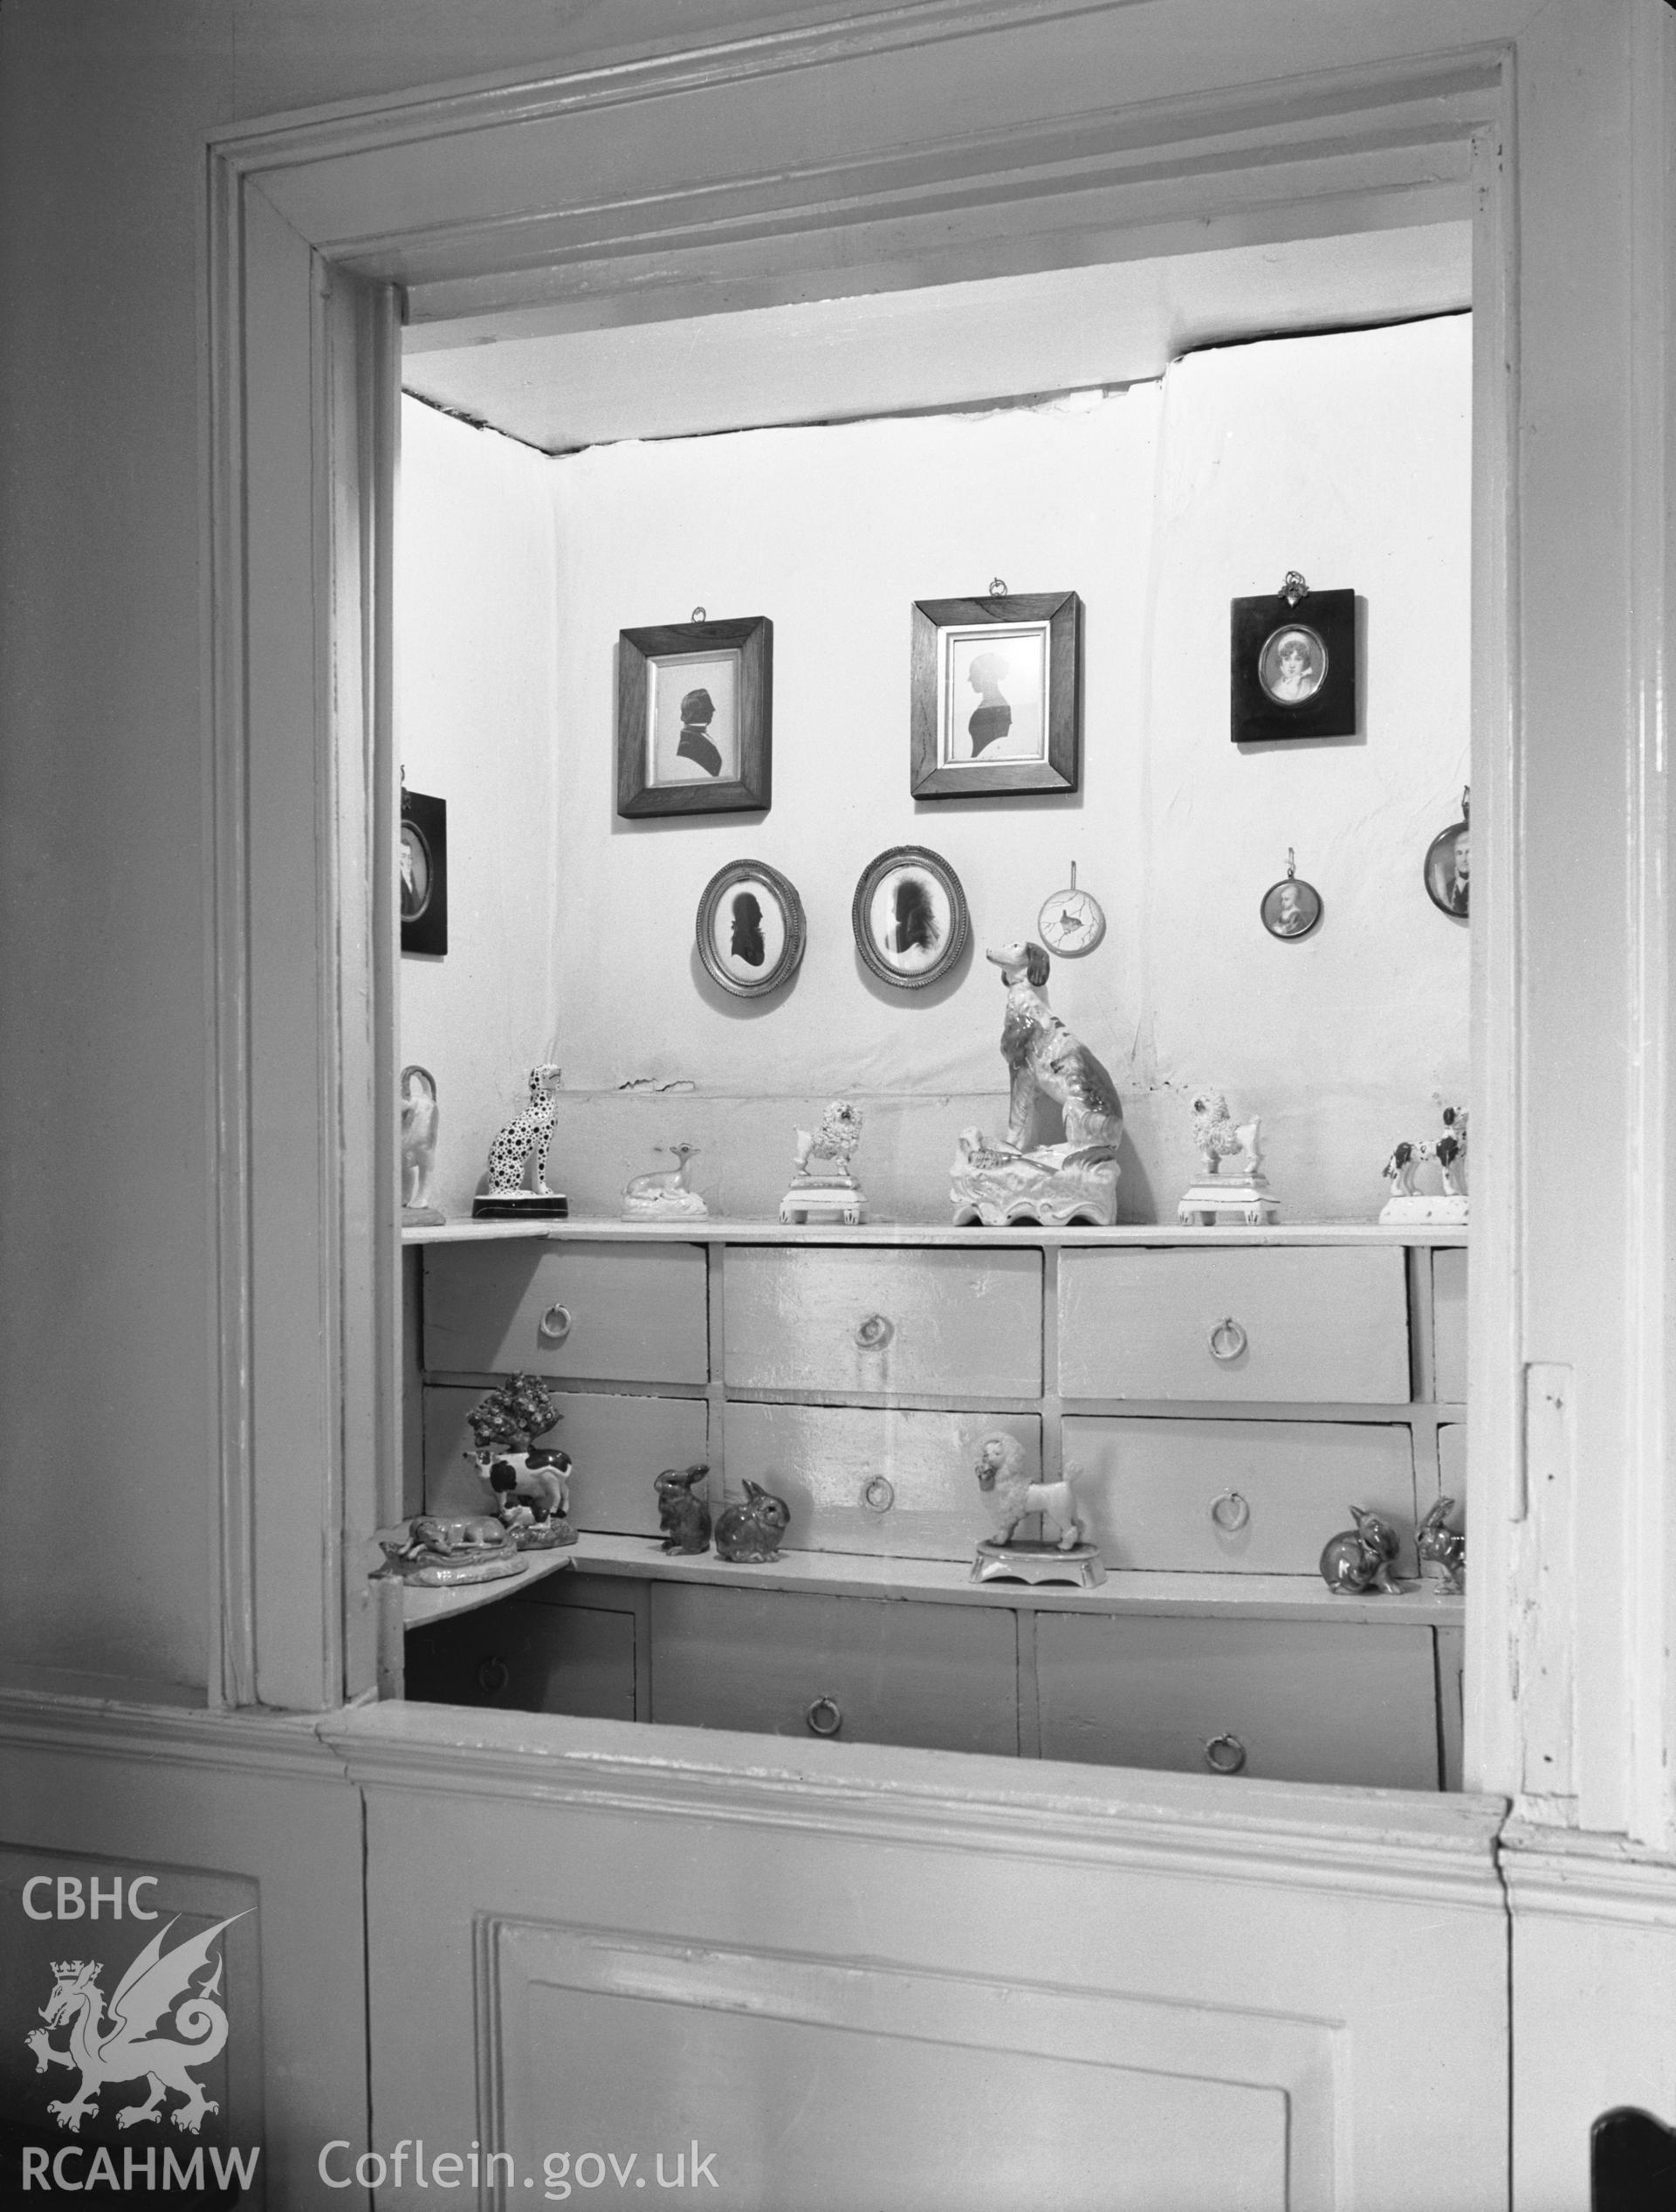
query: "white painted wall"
1346, 458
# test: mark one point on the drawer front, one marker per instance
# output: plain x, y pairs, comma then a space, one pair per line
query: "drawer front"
939, 1322
1258, 1496
1307, 1323
528, 1657
618, 1446
610, 1313
941, 1676
924, 1502
1306, 1703
1449, 1324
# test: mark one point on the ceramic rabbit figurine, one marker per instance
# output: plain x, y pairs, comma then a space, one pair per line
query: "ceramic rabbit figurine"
751, 1531
683, 1518
1441, 1546
1360, 1558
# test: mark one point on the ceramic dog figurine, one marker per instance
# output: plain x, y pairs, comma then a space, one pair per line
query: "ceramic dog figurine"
1443, 1547
750, 1531
1010, 1496
1360, 1558
683, 1518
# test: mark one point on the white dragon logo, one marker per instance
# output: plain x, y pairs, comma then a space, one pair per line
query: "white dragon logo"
124, 2049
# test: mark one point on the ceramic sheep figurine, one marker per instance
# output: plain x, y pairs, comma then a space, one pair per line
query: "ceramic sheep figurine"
1360, 1558
750, 1531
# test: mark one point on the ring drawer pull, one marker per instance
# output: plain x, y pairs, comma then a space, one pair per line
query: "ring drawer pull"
1230, 1510
1225, 1754
1227, 1340
554, 1324
878, 1494
493, 1675
824, 1718
873, 1332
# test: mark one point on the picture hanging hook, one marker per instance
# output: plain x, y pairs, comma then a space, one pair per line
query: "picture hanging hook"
1294, 588
1291, 865
998, 587
1466, 802
698, 615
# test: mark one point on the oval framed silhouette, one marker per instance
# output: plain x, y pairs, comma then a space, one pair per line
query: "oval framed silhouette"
909, 917
750, 929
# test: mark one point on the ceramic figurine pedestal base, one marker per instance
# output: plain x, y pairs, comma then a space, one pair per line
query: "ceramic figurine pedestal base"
819, 1201
1038, 1563
1052, 1187
422, 1217
522, 1206
1420, 1206
1248, 1196
672, 1206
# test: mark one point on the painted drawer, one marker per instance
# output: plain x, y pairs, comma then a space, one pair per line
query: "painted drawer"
1219, 1496
611, 1313
1449, 1324
528, 1657
941, 1676
619, 1446
1302, 1701
1289, 1322
868, 1479
941, 1323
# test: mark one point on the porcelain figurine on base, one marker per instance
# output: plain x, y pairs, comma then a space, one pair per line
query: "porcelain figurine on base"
1021, 1179
668, 1196
438, 1553
522, 1146
1449, 1151
1243, 1188
531, 1486
419, 1118
1360, 1559
1012, 1498
823, 1185
1442, 1550
683, 1516
749, 1532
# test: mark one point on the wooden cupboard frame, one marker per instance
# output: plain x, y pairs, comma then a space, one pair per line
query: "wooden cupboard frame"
943, 139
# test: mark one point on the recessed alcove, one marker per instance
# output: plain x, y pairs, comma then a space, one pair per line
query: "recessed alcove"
1158, 436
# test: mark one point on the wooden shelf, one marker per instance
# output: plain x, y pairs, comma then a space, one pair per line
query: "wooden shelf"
1293, 1597
920, 1233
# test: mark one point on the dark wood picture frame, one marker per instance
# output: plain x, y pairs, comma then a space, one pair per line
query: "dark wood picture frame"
738, 875
645, 657
932, 773
1260, 630
422, 848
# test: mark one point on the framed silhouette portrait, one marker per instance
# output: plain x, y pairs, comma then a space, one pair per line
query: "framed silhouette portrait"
750, 929
997, 699
909, 915
1293, 664
694, 717
422, 856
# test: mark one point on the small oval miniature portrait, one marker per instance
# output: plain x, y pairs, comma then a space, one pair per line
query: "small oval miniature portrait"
416, 871
1292, 666
1290, 908
1448, 869
750, 929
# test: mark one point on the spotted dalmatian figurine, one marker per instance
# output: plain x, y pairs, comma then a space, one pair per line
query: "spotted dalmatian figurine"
526, 1138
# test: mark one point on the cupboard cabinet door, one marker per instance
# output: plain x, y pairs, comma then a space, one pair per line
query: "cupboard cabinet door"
619, 1446
1287, 1700
1258, 1497
1273, 1322
941, 1321
863, 1670
527, 1657
870, 1479
609, 1313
